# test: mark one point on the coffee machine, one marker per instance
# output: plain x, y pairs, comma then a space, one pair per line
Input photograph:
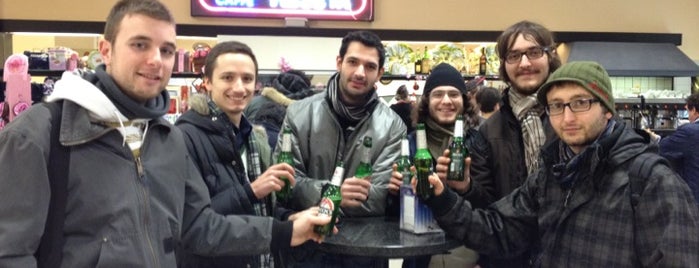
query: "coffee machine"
662, 116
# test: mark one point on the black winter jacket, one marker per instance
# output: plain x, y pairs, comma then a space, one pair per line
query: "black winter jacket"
505, 166
211, 146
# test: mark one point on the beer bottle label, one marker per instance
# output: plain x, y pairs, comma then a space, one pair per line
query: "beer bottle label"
326, 207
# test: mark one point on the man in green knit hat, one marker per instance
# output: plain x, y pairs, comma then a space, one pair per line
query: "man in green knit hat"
592, 202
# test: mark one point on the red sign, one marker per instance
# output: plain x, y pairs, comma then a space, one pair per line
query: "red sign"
353, 10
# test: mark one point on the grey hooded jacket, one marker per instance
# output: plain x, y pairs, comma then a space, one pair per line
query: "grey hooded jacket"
121, 211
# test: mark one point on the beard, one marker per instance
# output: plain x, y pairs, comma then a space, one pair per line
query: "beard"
525, 89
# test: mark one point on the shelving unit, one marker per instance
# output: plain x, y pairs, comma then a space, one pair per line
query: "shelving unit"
58, 73
649, 101
424, 77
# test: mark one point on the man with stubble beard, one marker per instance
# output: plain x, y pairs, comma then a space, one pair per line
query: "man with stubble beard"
520, 128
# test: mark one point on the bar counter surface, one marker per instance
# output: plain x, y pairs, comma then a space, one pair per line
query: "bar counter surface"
382, 237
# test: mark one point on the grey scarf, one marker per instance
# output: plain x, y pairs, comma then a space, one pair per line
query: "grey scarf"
528, 111
153, 108
351, 114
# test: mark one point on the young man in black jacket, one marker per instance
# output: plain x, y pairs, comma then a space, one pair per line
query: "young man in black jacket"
517, 131
132, 191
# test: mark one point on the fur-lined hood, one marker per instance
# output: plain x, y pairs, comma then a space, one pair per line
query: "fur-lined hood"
198, 103
276, 96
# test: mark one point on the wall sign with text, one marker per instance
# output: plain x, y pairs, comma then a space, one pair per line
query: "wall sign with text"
353, 10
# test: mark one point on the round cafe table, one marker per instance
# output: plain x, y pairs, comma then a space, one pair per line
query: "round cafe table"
382, 237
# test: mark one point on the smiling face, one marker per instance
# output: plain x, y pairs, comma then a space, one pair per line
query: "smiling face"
359, 70
527, 75
141, 57
445, 103
577, 129
232, 84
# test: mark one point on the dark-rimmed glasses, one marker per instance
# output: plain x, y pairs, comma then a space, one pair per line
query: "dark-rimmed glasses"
576, 106
532, 53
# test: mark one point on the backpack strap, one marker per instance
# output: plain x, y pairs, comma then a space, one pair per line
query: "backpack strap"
50, 251
639, 171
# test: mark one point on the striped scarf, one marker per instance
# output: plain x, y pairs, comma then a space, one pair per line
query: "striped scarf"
254, 170
352, 114
528, 111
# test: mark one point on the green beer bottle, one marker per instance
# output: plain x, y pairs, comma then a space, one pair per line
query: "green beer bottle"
423, 164
285, 157
364, 169
404, 161
330, 201
458, 152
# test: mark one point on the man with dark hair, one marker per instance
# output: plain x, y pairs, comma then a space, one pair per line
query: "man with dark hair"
517, 131
329, 127
231, 154
488, 99
132, 194
588, 205
682, 147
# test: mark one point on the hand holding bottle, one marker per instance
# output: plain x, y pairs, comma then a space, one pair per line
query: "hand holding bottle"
355, 191
271, 180
433, 179
304, 223
396, 181
442, 168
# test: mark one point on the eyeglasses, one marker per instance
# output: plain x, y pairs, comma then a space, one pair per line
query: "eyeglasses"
576, 106
439, 94
532, 53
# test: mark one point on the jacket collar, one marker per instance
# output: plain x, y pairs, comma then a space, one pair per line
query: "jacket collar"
76, 127
620, 146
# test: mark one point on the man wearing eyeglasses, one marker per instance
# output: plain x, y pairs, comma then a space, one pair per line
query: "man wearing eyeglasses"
577, 209
445, 97
516, 132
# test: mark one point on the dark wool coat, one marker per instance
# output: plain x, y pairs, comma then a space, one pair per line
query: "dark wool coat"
590, 224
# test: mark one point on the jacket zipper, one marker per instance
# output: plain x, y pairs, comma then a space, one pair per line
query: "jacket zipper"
146, 201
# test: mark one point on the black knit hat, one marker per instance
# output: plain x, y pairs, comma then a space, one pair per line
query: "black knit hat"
444, 75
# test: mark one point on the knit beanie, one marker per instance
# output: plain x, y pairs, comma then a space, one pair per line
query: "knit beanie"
588, 74
444, 75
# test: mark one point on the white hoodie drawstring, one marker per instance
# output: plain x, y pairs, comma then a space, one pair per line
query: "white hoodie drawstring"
123, 128
145, 130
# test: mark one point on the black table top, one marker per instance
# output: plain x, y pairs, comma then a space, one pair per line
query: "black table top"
382, 237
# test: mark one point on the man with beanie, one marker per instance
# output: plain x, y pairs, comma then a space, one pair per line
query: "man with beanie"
516, 132
329, 127
131, 195
583, 207
444, 98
